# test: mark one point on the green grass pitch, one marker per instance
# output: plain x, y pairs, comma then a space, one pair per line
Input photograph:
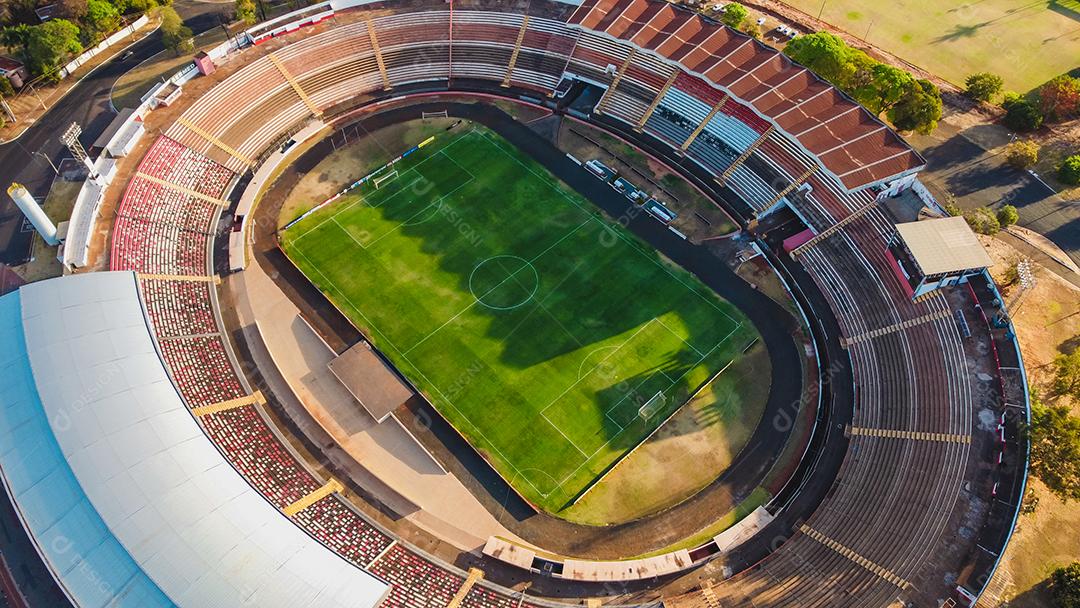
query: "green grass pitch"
537, 327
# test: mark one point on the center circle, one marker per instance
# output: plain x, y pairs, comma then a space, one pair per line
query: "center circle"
504, 282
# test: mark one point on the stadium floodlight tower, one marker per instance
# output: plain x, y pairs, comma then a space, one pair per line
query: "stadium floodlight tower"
33, 212
70, 138
1026, 277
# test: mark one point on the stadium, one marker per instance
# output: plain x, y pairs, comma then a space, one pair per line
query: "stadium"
501, 304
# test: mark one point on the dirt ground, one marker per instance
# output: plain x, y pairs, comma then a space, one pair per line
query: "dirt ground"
1047, 317
698, 217
1047, 321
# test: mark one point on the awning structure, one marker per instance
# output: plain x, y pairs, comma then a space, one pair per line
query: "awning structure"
182, 526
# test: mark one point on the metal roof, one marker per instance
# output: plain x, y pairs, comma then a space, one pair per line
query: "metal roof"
943, 245
848, 140
187, 518
91, 567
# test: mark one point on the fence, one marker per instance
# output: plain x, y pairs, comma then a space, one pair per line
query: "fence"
101, 46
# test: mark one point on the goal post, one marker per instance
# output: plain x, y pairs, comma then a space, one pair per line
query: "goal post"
379, 181
654, 405
430, 115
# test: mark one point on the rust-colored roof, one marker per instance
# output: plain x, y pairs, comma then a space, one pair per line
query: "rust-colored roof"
847, 139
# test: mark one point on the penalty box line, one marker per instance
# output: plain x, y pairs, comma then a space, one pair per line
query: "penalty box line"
543, 412
414, 169
433, 385
622, 428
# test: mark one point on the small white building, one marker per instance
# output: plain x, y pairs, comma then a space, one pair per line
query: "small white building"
935, 253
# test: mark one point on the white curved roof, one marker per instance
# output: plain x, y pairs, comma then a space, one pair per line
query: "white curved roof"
189, 520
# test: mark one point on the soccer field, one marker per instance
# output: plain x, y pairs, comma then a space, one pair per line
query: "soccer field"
537, 327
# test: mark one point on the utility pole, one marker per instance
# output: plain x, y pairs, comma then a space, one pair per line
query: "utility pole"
48, 160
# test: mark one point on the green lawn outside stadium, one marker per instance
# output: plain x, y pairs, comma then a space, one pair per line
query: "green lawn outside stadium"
1026, 43
536, 326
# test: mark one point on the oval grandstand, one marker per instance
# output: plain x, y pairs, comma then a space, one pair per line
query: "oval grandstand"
733, 115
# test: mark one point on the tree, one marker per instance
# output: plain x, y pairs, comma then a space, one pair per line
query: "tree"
1067, 374
734, 14
101, 19
1022, 154
983, 86
245, 11
1059, 99
6, 90
823, 53
138, 6
1007, 216
1021, 115
49, 44
1054, 437
174, 34
1065, 586
983, 221
13, 12
919, 109
1069, 171
16, 36
886, 87
751, 28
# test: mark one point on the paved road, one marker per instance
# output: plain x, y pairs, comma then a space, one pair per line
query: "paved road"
969, 164
88, 104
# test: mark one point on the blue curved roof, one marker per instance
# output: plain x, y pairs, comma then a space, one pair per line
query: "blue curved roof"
92, 567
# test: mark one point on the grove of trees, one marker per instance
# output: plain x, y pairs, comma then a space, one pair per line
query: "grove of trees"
1054, 437
1065, 586
45, 47
910, 104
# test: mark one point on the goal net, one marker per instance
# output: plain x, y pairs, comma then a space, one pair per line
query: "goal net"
378, 181
430, 115
655, 404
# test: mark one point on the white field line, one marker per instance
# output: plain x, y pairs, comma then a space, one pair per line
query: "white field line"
586, 457
476, 299
633, 245
390, 343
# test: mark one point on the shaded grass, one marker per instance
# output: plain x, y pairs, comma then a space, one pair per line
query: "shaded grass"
534, 325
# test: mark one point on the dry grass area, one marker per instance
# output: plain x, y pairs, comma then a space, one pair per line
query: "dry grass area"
1047, 322
1055, 145
358, 154
686, 454
1047, 318
130, 87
